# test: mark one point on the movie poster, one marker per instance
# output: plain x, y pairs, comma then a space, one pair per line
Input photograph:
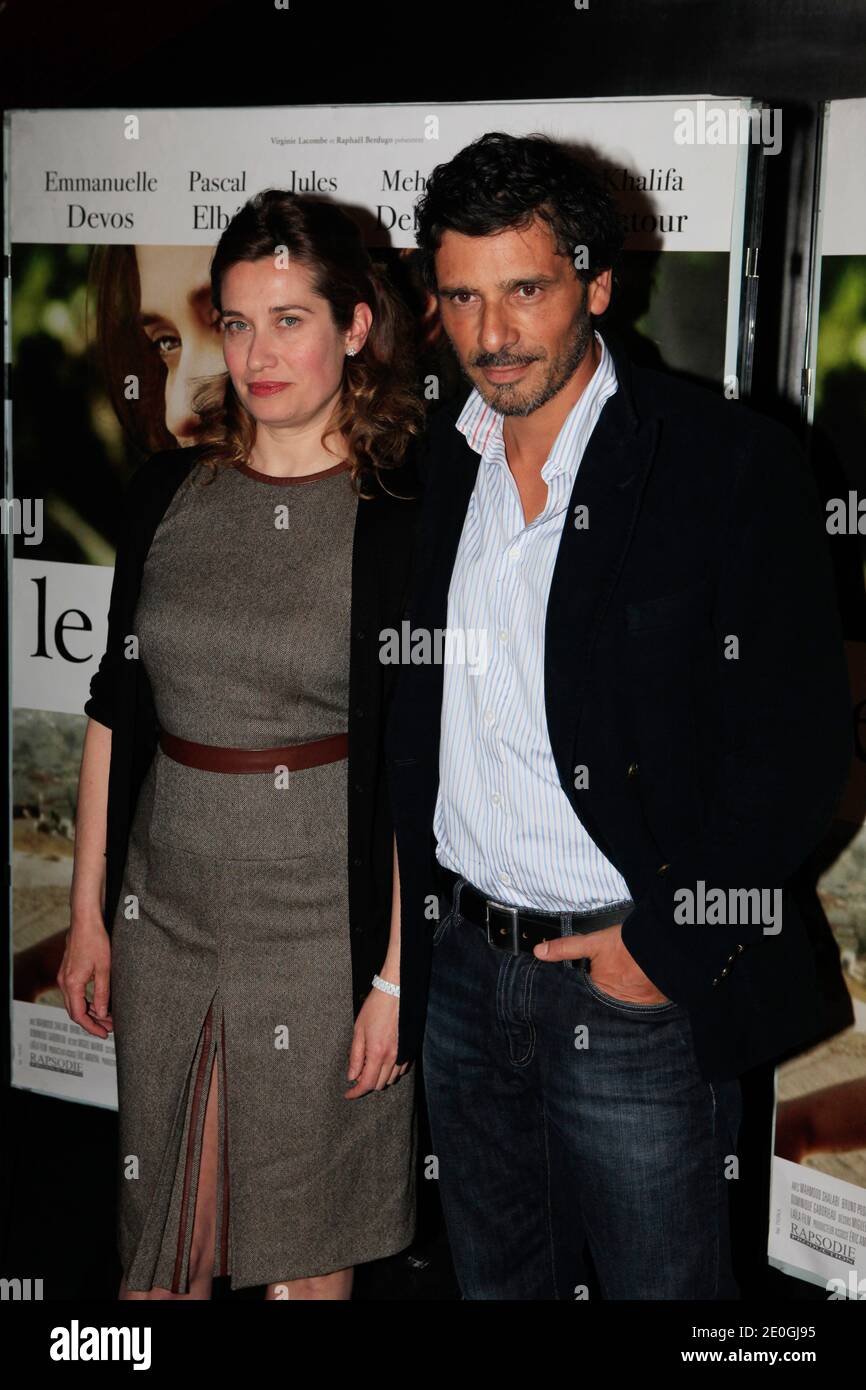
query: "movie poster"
113, 218
818, 1205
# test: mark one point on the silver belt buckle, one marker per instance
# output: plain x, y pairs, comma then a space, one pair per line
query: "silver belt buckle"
503, 907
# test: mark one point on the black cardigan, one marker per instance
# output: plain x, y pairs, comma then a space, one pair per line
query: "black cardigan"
121, 697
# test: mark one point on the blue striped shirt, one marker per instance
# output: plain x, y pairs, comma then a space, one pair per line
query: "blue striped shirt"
502, 819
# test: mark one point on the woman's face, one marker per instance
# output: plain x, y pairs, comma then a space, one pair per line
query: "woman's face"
177, 316
283, 351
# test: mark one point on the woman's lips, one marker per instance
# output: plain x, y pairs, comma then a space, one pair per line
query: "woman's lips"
267, 388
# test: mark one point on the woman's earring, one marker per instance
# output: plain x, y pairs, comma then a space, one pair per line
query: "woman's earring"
350, 352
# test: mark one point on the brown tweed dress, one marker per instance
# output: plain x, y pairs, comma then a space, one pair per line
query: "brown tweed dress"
231, 936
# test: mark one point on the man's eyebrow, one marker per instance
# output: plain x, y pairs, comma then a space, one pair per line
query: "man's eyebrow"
504, 285
274, 309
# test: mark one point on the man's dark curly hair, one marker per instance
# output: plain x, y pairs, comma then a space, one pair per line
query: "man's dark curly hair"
504, 181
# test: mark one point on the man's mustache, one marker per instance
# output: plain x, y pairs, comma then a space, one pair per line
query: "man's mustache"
489, 359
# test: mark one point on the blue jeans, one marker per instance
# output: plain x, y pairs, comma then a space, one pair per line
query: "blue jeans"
563, 1118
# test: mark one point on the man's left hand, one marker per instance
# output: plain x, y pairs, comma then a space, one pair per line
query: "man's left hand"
612, 968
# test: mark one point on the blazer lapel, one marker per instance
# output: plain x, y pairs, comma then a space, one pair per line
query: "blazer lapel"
458, 468
461, 485
609, 485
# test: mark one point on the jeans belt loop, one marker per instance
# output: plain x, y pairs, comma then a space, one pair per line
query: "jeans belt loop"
515, 930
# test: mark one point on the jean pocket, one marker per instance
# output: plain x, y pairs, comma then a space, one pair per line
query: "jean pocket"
621, 1005
442, 927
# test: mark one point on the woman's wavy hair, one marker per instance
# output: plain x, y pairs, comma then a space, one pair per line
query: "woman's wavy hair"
501, 181
379, 411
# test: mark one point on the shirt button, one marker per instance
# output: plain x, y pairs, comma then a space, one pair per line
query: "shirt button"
514, 553
506, 878
489, 717
495, 798
503, 635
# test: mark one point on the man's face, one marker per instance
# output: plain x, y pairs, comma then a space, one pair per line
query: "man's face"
516, 314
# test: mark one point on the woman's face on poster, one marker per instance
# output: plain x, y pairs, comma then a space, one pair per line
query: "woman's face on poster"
178, 319
284, 353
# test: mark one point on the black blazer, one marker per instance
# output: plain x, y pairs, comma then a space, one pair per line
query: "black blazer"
704, 522
122, 699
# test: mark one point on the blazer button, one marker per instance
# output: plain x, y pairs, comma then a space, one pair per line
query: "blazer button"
360, 633
359, 787
631, 770
357, 863
662, 868
359, 712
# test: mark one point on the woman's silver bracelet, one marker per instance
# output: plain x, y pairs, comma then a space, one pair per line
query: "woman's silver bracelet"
385, 986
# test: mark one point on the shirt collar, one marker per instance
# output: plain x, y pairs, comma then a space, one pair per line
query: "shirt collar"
481, 425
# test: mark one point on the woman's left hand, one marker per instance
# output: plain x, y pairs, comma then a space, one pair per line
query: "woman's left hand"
374, 1046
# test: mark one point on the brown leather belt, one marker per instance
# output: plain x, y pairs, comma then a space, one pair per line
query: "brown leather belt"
209, 758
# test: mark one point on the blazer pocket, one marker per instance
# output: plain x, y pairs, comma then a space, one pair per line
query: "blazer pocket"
684, 608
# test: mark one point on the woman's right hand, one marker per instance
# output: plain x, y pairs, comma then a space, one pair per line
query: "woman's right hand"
87, 957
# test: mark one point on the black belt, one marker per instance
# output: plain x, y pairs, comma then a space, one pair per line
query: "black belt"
518, 929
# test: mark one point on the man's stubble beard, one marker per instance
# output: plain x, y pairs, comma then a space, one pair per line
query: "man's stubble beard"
505, 400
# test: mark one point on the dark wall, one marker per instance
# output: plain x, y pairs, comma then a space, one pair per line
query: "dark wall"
198, 52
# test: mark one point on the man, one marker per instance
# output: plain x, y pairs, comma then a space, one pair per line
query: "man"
619, 787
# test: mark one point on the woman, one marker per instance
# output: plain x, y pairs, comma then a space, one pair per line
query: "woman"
154, 313
258, 903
